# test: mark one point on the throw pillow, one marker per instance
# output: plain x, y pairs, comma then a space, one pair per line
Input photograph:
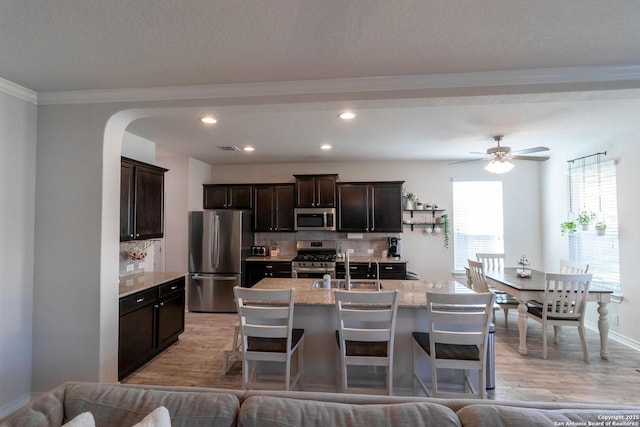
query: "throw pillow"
85, 419
158, 418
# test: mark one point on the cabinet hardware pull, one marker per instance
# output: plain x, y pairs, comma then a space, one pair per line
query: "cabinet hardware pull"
161, 304
388, 268
173, 288
140, 300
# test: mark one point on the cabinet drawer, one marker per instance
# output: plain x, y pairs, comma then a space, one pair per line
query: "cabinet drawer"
393, 270
137, 300
171, 287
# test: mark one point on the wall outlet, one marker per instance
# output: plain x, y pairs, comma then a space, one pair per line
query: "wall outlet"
615, 319
369, 251
141, 265
129, 267
350, 251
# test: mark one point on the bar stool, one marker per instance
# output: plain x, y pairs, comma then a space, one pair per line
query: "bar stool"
236, 349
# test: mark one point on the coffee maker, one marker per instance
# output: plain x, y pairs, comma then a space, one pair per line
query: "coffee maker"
394, 247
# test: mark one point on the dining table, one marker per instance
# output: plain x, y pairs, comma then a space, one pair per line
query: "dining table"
532, 288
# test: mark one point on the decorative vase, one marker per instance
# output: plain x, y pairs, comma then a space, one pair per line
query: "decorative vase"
601, 231
585, 227
408, 205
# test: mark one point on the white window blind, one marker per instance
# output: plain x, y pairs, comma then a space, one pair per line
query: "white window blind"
477, 220
593, 189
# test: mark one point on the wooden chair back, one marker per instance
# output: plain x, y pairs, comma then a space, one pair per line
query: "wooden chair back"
477, 277
491, 260
572, 267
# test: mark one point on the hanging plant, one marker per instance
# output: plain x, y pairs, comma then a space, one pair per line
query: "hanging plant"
601, 228
585, 218
567, 226
445, 229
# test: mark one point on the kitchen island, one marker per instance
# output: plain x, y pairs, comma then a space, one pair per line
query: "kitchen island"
316, 314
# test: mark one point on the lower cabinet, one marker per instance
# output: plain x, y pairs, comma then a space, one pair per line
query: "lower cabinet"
361, 270
258, 270
150, 321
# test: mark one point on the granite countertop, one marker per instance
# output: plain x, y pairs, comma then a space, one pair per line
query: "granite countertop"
141, 281
412, 292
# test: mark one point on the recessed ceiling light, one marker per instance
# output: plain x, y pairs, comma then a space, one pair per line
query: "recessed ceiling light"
248, 148
208, 120
326, 147
347, 115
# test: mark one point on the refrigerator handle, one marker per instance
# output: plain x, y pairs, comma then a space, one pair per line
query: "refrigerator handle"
199, 277
217, 243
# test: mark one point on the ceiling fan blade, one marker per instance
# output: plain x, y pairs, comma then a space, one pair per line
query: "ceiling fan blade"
466, 161
531, 150
534, 158
478, 152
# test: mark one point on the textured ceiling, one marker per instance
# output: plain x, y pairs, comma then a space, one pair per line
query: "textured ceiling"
70, 45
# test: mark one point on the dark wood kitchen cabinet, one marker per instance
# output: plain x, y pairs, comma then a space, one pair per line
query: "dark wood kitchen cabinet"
273, 207
150, 321
258, 270
141, 200
316, 191
227, 196
364, 270
370, 207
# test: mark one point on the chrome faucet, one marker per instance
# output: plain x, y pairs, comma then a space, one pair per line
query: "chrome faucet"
377, 271
347, 273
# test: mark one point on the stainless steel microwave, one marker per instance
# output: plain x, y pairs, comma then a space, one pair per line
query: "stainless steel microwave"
315, 219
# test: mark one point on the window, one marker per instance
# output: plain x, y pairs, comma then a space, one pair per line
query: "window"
477, 219
595, 193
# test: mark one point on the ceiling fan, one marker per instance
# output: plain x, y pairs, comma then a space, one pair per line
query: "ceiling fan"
500, 155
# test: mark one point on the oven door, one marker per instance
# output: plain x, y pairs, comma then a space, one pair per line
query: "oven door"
312, 272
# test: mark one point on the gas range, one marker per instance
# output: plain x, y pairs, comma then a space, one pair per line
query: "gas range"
314, 259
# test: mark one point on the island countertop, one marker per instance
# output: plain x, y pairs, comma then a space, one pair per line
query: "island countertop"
141, 281
412, 292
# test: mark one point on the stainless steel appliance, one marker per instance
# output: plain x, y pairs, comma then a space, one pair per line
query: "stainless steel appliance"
219, 241
314, 259
315, 219
259, 251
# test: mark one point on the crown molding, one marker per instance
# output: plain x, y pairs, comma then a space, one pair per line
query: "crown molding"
18, 91
540, 76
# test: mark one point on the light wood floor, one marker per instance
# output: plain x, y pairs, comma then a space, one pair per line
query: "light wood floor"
196, 360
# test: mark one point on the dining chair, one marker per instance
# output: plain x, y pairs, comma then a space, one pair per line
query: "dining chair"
235, 351
573, 267
479, 284
565, 299
491, 260
266, 325
456, 338
367, 322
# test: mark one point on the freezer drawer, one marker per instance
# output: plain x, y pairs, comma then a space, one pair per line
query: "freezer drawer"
213, 293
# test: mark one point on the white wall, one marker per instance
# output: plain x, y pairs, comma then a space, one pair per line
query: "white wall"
199, 173
17, 198
431, 181
625, 150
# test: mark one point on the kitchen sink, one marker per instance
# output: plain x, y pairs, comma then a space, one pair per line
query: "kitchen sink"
356, 285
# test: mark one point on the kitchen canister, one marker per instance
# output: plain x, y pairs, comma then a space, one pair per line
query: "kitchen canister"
326, 279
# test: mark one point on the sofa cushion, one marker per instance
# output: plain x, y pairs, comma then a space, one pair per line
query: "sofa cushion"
113, 405
85, 419
265, 411
481, 415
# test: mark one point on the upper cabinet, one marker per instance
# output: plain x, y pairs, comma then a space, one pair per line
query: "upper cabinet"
273, 207
141, 200
225, 196
370, 207
316, 191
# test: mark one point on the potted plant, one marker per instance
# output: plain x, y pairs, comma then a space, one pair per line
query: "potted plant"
569, 226
409, 198
600, 228
585, 218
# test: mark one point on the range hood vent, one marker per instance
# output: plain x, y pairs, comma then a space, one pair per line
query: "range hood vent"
229, 148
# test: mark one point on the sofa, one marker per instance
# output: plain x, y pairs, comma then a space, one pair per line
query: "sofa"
125, 405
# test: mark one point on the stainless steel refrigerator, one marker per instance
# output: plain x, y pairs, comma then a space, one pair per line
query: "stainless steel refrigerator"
219, 242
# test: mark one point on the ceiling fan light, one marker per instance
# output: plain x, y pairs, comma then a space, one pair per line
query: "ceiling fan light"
498, 167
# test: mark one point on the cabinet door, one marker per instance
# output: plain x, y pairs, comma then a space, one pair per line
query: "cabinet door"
353, 207
127, 192
239, 197
135, 343
263, 208
214, 197
283, 207
149, 208
393, 270
305, 192
325, 191
170, 319
386, 208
